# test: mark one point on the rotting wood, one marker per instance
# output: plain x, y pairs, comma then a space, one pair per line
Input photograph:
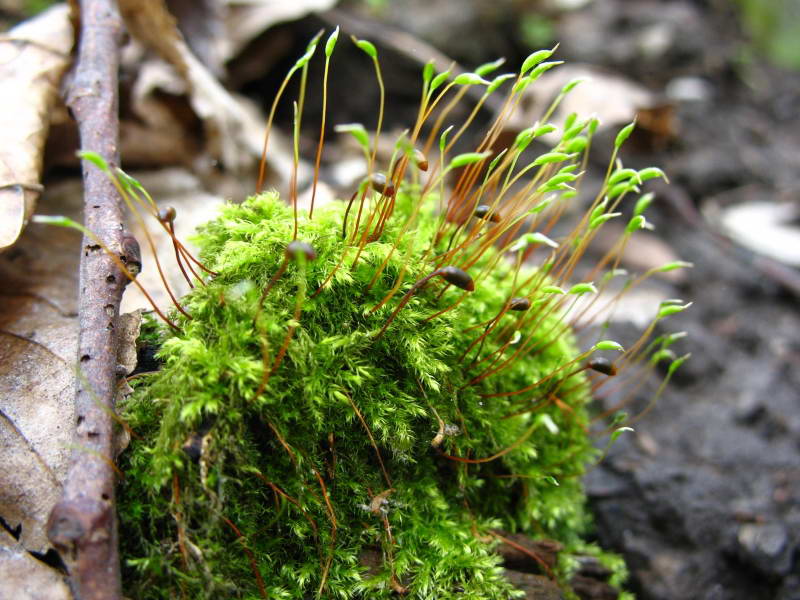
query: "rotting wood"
82, 526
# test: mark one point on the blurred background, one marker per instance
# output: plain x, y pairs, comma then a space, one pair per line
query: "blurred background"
704, 501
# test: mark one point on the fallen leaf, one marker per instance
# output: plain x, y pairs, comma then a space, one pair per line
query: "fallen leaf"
30, 487
247, 19
128, 328
202, 23
234, 131
23, 577
33, 58
39, 333
162, 129
38, 358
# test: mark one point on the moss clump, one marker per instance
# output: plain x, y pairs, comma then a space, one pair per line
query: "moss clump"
355, 408
327, 482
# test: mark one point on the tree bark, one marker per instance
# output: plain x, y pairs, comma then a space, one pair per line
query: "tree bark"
82, 526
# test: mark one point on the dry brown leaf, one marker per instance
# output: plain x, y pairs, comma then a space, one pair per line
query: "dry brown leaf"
160, 133
202, 23
158, 136
247, 19
22, 577
233, 130
38, 347
33, 58
30, 488
128, 328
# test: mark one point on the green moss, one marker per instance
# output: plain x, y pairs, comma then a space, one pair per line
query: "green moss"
286, 481
151, 332
323, 426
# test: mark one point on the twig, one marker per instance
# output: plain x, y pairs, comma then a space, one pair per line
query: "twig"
82, 526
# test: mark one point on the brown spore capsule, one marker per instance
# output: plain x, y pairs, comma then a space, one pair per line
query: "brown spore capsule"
452, 275
519, 304
603, 365
167, 214
484, 211
457, 277
420, 160
381, 185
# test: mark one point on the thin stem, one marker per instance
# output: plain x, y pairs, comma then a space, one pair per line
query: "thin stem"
404, 300
178, 256
321, 136
262, 165
296, 155
371, 438
151, 244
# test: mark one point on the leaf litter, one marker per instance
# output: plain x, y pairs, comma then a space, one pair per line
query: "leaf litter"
38, 333
33, 58
38, 347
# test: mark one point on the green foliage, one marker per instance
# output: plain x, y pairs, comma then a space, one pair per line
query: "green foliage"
263, 459
33, 7
774, 27
150, 333
536, 30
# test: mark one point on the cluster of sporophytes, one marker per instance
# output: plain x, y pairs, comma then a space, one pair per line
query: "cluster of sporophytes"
358, 400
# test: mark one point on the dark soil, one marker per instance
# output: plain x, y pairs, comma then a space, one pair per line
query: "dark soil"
708, 507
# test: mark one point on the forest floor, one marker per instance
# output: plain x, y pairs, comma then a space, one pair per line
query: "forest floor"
704, 501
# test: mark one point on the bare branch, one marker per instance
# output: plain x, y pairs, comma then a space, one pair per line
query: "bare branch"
82, 526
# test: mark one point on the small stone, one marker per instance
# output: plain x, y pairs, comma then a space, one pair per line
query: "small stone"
790, 590
536, 587
689, 89
591, 567
567, 5
765, 547
647, 443
656, 40
588, 588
